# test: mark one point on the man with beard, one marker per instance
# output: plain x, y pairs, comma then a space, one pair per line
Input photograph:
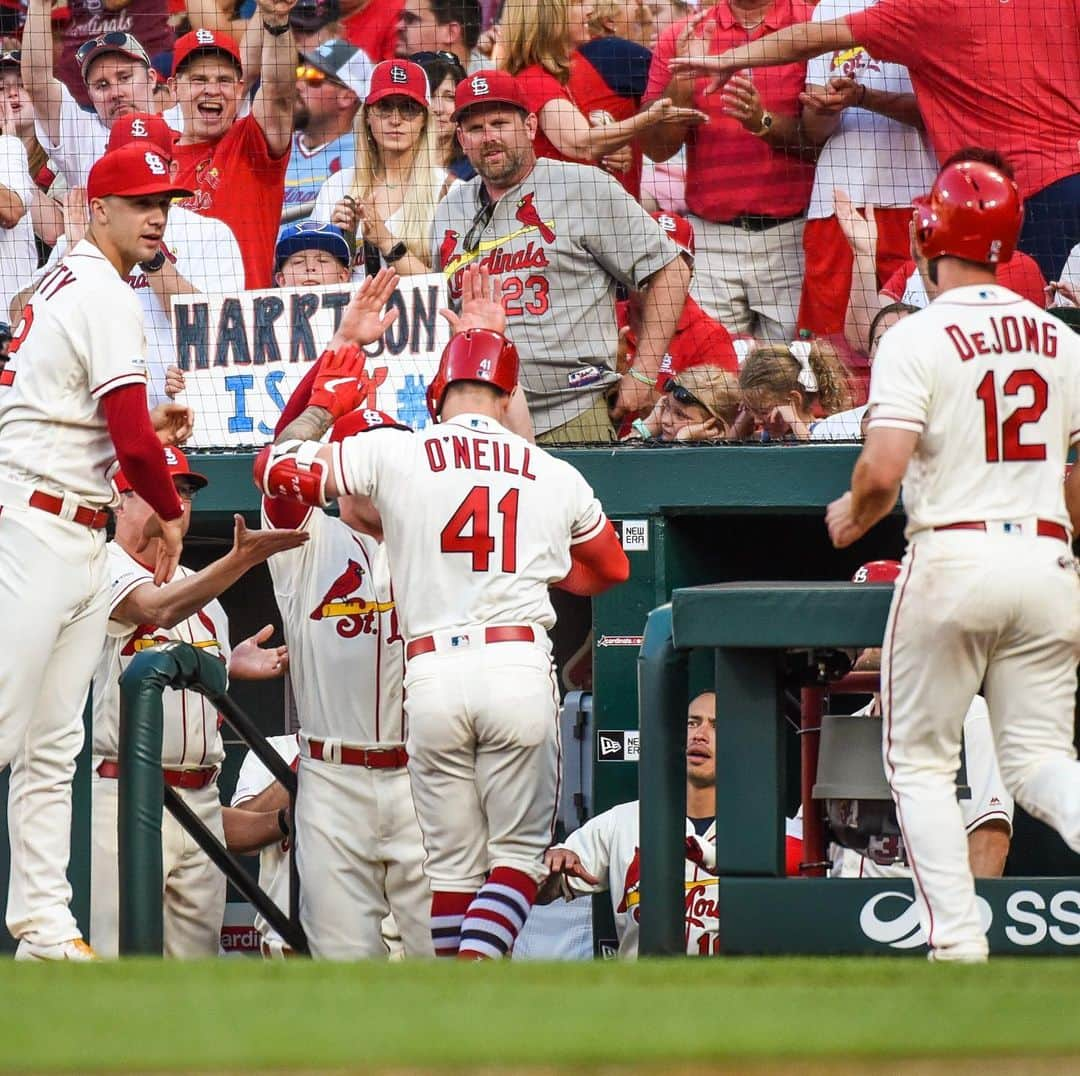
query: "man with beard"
558, 237
330, 84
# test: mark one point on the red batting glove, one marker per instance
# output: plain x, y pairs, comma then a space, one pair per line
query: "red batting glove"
339, 386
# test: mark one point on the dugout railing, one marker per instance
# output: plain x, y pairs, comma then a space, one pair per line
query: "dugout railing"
143, 795
749, 630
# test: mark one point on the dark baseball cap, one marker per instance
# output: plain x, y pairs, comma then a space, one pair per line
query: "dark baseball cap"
5, 331
311, 235
311, 15
343, 63
114, 41
488, 87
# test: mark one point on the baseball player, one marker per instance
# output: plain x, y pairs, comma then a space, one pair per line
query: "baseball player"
558, 237
974, 403
987, 812
142, 614
72, 401
358, 845
478, 523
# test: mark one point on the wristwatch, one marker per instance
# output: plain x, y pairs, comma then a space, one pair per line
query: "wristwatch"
766, 124
395, 253
275, 30
155, 263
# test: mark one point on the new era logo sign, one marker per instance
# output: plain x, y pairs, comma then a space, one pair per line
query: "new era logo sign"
399, 75
611, 745
618, 745
480, 86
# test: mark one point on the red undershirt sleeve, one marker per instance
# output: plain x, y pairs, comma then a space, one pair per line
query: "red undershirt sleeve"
596, 565
138, 449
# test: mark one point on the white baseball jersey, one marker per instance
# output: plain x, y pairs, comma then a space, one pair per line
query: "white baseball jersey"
190, 736
254, 778
989, 800
609, 849
879, 161
18, 252
991, 383
64, 357
478, 522
207, 256
338, 614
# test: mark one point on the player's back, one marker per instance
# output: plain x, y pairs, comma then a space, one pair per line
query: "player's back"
992, 385
478, 522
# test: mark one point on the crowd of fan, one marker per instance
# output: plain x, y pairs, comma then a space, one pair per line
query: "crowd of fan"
319, 138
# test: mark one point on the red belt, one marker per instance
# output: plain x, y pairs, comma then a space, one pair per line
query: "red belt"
511, 633
374, 758
1044, 528
88, 517
191, 779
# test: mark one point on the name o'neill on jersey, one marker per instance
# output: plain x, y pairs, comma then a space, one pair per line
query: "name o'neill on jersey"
702, 914
478, 454
355, 615
494, 258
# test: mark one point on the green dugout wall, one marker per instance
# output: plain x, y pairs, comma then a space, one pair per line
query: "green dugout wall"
690, 515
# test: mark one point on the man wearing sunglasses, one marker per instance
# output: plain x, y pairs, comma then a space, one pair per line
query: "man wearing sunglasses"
449, 27
331, 81
115, 69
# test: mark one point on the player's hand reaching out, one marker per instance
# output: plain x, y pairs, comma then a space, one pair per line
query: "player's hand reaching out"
831, 100
250, 660
860, 229
252, 547
742, 102
563, 861
76, 212
841, 525
173, 423
364, 321
481, 307
171, 533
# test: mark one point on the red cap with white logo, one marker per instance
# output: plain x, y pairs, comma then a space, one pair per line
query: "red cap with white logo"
362, 420
877, 571
144, 127
205, 41
133, 170
398, 78
177, 465
488, 87
678, 229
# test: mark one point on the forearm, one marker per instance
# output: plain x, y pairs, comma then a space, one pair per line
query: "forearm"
897, 106
277, 59
871, 499
47, 218
272, 798
793, 44
1072, 498
988, 848
247, 831
662, 142
36, 70
310, 425
174, 602
12, 209
166, 283
786, 133
215, 15
661, 307
863, 301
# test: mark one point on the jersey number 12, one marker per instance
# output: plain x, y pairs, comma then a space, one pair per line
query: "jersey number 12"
1004, 443
474, 516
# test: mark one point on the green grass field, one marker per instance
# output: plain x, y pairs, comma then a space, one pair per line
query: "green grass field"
730, 1015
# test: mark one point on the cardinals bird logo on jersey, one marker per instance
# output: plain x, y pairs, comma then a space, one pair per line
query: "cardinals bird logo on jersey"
529, 215
355, 615
447, 246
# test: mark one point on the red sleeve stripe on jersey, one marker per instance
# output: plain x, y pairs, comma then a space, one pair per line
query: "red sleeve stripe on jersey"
1074, 437
590, 532
115, 382
988, 816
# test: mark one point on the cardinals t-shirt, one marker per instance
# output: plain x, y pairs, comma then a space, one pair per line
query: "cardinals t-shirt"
237, 180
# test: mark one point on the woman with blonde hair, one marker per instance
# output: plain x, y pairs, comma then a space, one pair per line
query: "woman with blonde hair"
538, 39
388, 198
783, 384
698, 404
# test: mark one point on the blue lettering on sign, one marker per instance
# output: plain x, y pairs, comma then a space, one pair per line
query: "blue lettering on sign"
273, 379
268, 308
239, 384
412, 402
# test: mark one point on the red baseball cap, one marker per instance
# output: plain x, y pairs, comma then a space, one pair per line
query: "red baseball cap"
488, 87
678, 229
142, 127
398, 78
176, 463
205, 41
133, 170
877, 571
362, 420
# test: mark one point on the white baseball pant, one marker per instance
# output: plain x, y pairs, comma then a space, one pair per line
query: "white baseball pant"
975, 608
54, 592
360, 856
194, 888
484, 758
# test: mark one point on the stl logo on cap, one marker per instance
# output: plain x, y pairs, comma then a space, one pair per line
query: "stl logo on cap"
204, 37
156, 165
666, 222
170, 457
480, 86
398, 74
139, 129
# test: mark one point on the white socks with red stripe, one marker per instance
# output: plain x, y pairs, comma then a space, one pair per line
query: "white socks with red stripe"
447, 913
496, 915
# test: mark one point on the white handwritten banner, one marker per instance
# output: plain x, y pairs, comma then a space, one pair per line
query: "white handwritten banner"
243, 354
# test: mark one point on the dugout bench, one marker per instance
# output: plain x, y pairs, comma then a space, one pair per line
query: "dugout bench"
748, 628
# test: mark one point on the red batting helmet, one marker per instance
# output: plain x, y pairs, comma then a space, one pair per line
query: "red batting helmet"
475, 355
362, 420
972, 212
877, 571
678, 229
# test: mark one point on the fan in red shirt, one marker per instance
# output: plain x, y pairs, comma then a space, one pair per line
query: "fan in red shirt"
236, 167
372, 25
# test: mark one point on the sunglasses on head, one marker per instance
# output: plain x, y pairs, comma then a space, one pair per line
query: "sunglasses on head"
307, 73
445, 57
405, 107
681, 394
13, 57
114, 39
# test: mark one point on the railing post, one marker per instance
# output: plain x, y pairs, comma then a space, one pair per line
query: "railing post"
662, 691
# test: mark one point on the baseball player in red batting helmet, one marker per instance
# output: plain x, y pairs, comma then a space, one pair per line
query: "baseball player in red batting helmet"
475, 355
